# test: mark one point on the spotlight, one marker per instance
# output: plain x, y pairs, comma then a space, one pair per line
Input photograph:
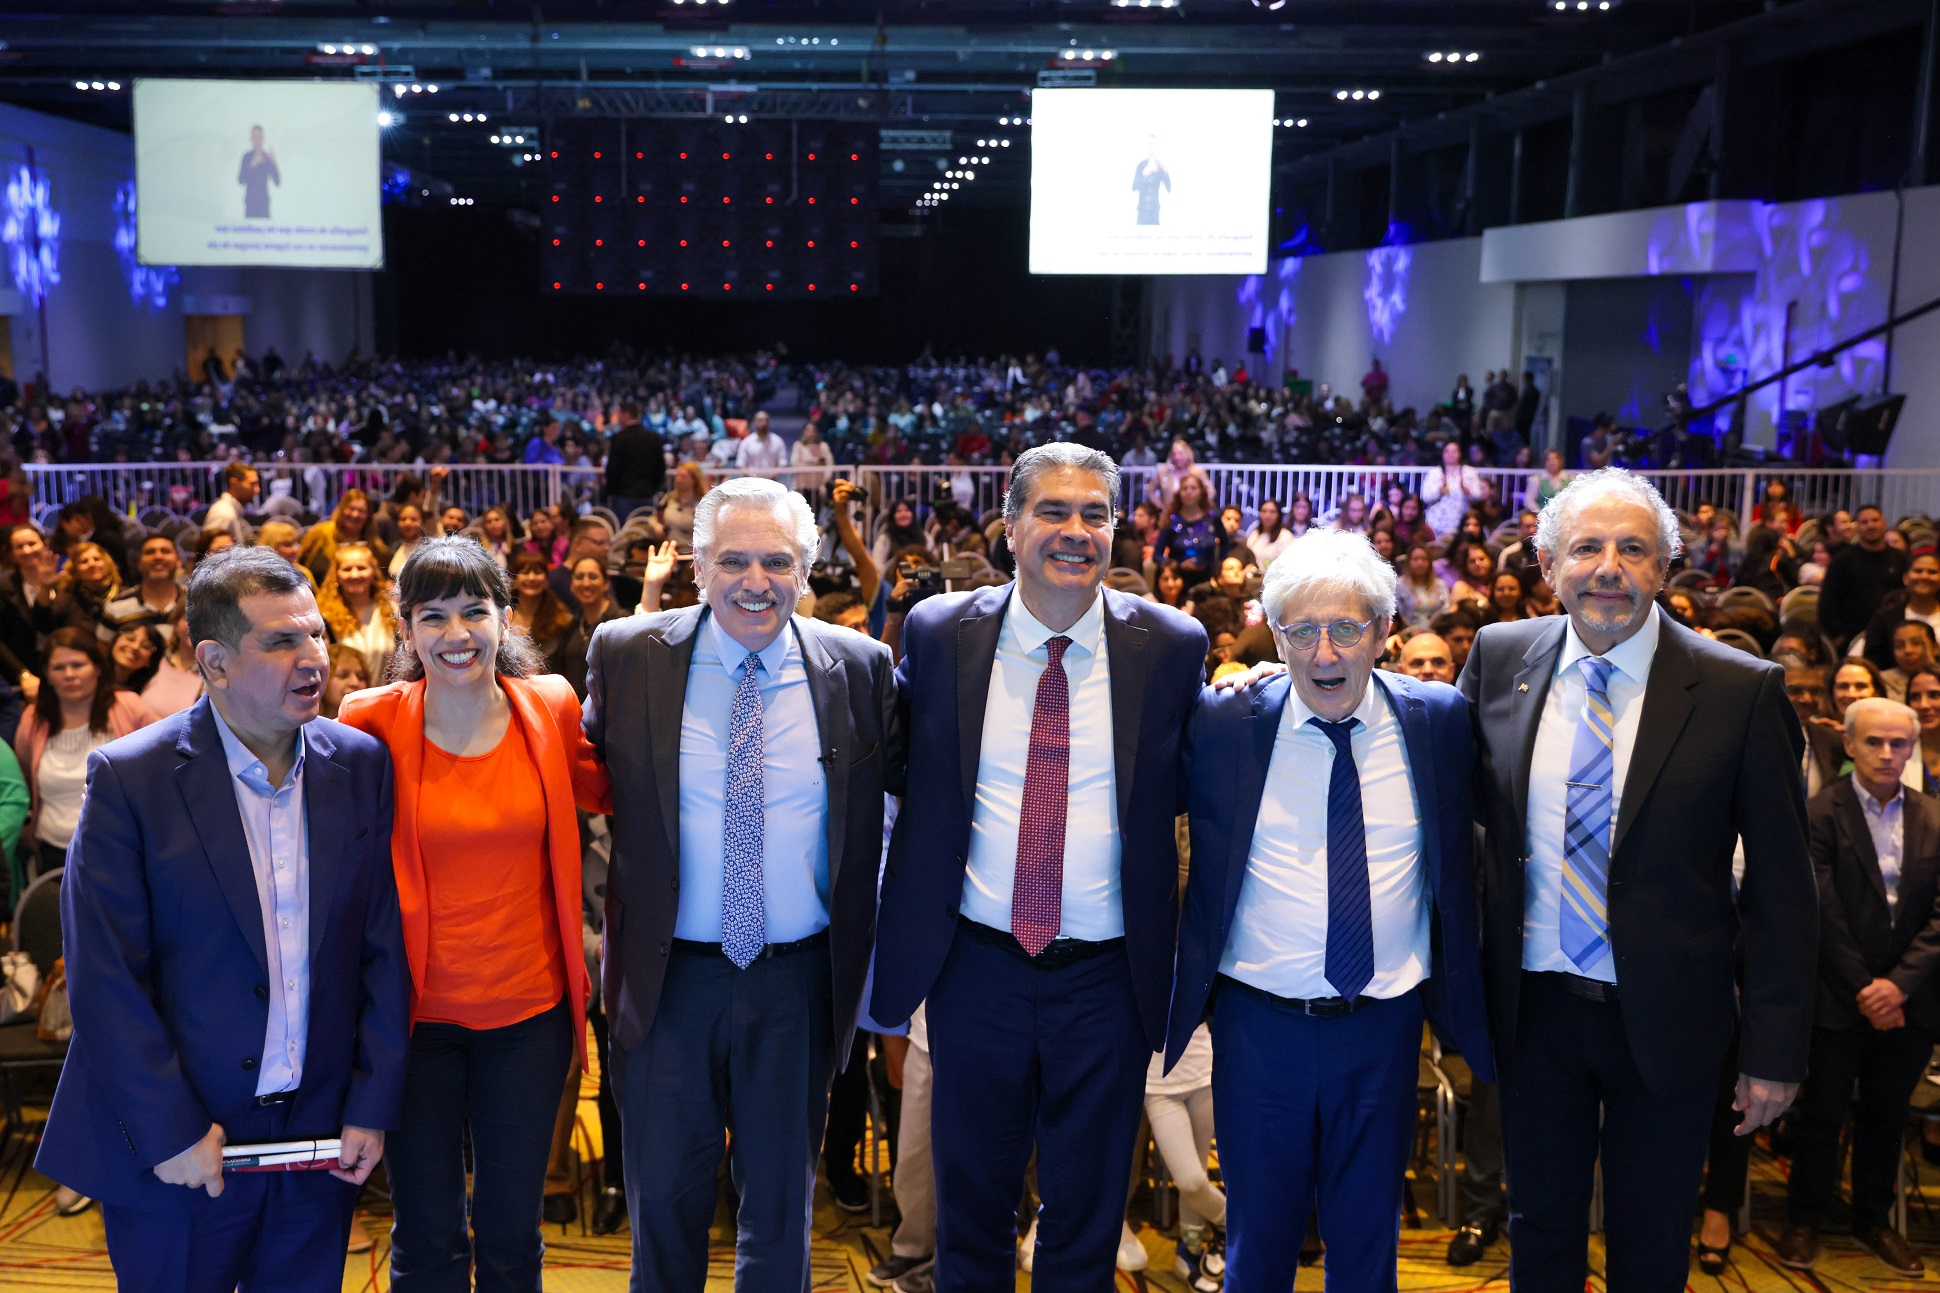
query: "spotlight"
430, 89
1004, 142
1373, 94
1471, 57
1301, 122
451, 116
386, 119
417, 89
367, 49
398, 88
1435, 58
1340, 94
1360, 94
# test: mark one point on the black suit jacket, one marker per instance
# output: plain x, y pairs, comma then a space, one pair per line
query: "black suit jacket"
636, 463
949, 648
1860, 938
1717, 757
636, 692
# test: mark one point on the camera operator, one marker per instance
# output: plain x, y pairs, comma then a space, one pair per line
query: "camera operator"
917, 578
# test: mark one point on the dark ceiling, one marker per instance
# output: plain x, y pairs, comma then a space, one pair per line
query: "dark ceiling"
956, 66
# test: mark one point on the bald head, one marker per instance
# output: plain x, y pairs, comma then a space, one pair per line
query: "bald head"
1427, 657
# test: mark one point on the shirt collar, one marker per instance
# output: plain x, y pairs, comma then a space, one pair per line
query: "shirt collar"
1872, 806
1631, 657
1367, 712
245, 766
733, 655
1087, 635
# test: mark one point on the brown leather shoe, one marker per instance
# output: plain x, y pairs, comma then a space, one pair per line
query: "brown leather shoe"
1797, 1247
1894, 1252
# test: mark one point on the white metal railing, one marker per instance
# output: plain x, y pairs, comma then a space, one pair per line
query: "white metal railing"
181, 488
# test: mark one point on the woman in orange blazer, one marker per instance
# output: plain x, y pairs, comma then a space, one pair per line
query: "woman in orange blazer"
490, 764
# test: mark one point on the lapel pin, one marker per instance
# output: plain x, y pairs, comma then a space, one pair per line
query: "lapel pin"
1523, 687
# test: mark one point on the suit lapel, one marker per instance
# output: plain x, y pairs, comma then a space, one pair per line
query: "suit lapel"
326, 789
1667, 707
209, 795
828, 690
1413, 717
668, 660
1258, 732
976, 656
1125, 655
1852, 820
1527, 694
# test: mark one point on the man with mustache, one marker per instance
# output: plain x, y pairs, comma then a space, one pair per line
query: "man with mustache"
1623, 756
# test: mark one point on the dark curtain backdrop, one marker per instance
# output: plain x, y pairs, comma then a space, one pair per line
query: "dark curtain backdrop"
466, 280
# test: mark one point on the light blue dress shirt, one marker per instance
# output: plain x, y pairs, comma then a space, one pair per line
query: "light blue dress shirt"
278, 835
795, 843
1886, 823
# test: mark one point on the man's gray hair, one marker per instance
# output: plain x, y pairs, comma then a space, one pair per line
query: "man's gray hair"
762, 492
1033, 462
1592, 485
1328, 561
1880, 705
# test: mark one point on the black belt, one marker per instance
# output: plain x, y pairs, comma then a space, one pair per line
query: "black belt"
689, 947
275, 1097
1057, 954
1313, 1007
1578, 986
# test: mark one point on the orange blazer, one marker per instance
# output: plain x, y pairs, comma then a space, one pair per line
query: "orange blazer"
570, 774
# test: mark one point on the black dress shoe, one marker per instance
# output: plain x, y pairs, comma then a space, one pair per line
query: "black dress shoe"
559, 1210
1797, 1247
609, 1214
1468, 1244
851, 1194
1894, 1252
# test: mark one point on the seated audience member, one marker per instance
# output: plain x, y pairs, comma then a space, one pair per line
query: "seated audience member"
1914, 645
543, 536
1270, 537
1132, 544
1684, 607
135, 653
91, 580
32, 604
348, 673
1825, 749
1421, 593
453, 520
1860, 576
1169, 588
1426, 658
286, 540
593, 600
1507, 601
1919, 599
1770, 563
409, 524
157, 597
1923, 698
356, 606
844, 610
1475, 589
210, 542
590, 538
1876, 847
1457, 627
1854, 679
177, 682
1191, 535
536, 609
1520, 555
77, 710
349, 523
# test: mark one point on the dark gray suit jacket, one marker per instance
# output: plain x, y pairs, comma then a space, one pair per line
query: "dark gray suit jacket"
1717, 756
1860, 937
636, 690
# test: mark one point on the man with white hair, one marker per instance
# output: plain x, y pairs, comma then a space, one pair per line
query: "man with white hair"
1330, 901
749, 749
1623, 757
1876, 848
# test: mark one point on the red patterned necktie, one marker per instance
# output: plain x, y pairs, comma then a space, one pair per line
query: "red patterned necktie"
1037, 895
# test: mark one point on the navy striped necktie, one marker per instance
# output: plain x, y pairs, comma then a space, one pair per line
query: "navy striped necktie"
1350, 908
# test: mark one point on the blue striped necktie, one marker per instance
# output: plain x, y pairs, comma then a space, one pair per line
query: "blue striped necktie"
1583, 924
1350, 909
744, 916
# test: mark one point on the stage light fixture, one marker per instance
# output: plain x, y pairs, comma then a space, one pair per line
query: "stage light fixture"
386, 119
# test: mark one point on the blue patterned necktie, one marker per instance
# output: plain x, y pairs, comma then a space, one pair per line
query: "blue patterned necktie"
1583, 924
1350, 909
744, 916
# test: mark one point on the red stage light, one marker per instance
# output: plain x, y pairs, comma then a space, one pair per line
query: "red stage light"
643, 242
599, 287
555, 242
555, 287
640, 199
854, 201
724, 242
597, 198
851, 244
727, 287
854, 288
771, 157
811, 157
599, 242
771, 201
683, 199
643, 287
811, 287
811, 201
771, 242
771, 287
638, 156
855, 157
596, 155
724, 157
555, 197
683, 157
811, 242
683, 242
683, 287
555, 155
726, 200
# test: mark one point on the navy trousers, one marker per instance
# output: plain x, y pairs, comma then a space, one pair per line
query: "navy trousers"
280, 1232
1027, 1055
1313, 1113
741, 1051
1571, 1097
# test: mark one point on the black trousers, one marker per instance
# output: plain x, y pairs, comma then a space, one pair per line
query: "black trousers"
1483, 1198
1728, 1162
503, 1086
612, 1161
848, 1115
1887, 1068
1571, 1095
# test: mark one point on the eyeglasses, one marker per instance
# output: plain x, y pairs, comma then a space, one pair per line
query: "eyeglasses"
1342, 633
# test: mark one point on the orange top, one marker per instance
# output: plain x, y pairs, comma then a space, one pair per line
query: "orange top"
569, 770
494, 957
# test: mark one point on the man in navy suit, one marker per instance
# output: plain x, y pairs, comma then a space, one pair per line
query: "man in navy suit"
1032, 880
235, 960
1331, 898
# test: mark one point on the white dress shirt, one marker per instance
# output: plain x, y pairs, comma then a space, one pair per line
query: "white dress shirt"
1092, 908
761, 452
1278, 941
278, 834
1886, 823
1542, 945
794, 836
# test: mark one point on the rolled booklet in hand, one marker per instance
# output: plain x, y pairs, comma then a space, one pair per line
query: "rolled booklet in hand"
283, 1156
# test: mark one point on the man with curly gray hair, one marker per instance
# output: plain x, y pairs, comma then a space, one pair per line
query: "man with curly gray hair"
1624, 757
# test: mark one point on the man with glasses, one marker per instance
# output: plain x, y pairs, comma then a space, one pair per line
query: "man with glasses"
1032, 883
1330, 902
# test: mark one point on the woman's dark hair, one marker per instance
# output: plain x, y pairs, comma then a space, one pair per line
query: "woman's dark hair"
1158, 579
47, 703
1857, 662
156, 650
553, 616
457, 566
